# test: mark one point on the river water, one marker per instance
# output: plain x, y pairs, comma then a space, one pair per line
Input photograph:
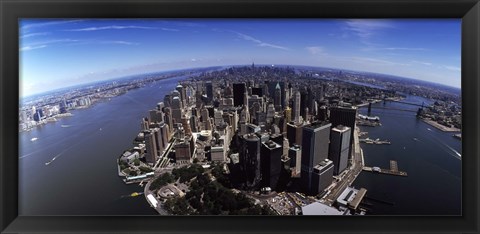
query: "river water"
431, 158
83, 179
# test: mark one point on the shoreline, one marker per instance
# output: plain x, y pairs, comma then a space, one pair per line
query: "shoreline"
439, 126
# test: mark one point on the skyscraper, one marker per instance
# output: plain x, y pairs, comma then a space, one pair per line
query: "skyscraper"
339, 147
296, 107
271, 164
250, 159
322, 176
315, 142
176, 110
158, 140
150, 145
344, 116
209, 91
183, 94
156, 116
294, 133
278, 98
239, 90
295, 155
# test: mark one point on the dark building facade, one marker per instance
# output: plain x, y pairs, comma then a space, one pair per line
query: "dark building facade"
322, 176
339, 148
239, 90
344, 116
271, 164
250, 160
315, 143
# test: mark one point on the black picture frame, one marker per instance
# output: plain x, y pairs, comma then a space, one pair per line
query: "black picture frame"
12, 10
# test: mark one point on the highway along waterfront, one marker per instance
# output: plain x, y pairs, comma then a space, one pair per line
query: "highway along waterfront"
431, 158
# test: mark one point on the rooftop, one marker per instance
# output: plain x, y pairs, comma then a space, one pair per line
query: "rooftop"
318, 208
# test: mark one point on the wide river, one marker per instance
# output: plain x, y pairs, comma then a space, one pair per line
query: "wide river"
431, 158
83, 179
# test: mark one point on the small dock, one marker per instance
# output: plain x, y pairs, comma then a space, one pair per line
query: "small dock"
392, 171
376, 141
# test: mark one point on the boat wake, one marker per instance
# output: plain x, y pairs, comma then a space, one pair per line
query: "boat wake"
454, 151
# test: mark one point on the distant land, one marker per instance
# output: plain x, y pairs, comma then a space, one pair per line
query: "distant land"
447, 88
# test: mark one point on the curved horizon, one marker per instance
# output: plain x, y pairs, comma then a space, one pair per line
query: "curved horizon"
61, 53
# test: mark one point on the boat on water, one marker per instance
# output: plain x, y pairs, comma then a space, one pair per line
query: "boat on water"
48, 163
65, 126
134, 194
34, 139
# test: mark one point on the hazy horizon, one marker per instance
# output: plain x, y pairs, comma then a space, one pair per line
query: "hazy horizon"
56, 54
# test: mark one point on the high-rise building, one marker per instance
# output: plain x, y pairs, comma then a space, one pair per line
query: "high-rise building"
176, 110
288, 114
278, 98
239, 90
183, 94
271, 164
158, 140
295, 155
339, 148
167, 100
150, 145
168, 118
217, 154
322, 113
257, 91
182, 150
315, 142
296, 106
344, 116
250, 159
209, 89
156, 116
165, 134
145, 124
294, 133
322, 176
270, 113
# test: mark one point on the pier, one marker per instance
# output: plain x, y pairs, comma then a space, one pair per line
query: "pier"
392, 171
376, 142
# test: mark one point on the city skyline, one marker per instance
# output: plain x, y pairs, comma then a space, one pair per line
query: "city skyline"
60, 53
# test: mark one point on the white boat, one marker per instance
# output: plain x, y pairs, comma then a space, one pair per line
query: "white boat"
48, 163
34, 139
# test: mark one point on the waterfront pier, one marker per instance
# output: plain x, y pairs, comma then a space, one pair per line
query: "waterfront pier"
392, 171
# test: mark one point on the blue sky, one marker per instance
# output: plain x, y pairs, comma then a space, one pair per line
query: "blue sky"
57, 53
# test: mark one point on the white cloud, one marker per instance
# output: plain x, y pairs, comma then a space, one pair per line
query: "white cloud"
404, 48
315, 49
56, 22
365, 28
27, 48
375, 62
259, 42
452, 68
423, 63
170, 29
72, 42
113, 27
34, 34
